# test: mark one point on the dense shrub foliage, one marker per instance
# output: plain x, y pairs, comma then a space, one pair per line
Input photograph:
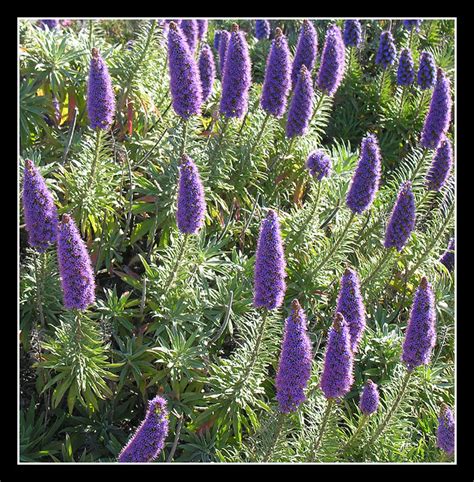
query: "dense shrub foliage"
237, 241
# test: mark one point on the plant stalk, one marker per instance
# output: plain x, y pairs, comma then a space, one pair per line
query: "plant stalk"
322, 429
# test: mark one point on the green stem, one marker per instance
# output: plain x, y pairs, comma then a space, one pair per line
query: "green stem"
382, 81
96, 156
185, 131
322, 429
276, 436
173, 272
256, 349
362, 422
221, 138
420, 104
259, 135
419, 165
386, 256
402, 98
39, 271
318, 105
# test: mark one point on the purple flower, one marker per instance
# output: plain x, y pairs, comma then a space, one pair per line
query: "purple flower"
445, 433
224, 39
41, 216
50, 23
191, 203
319, 164
351, 306
190, 30
438, 117
306, 50
237, 76
409, 24
448, 257
387, 52
337, 378
402, 219
352, 33
333, 61
440, 166
100, 94
77, 276
184, 75
420, 336
301, 107
366, 179
294, 369
207, 71
202, 28
369, 400
217, 37
426, 71
277, 82
262, 29
149, 439
269, 275
406, 68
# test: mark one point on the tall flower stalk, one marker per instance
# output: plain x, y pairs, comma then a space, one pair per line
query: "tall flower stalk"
306, 51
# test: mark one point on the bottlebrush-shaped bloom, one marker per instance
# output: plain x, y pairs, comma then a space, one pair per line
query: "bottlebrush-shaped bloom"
350, 304
439, 115
237, 76
440, 166
50, 23
191, 202
333, 61
412, 23
294, 368
387, 52
306, 50
448, 257
369, 400
207, 71
41, 216
149, 439
269, 275
301, 107
426, 71
445, 433
352, 33
366, 179
224, 39
100, 94
402, 219
202, 28
277, 82
262, 29
337, 378
319, 164
406, 68
184, 75
420, 336
217, 37
77, 276
190, 30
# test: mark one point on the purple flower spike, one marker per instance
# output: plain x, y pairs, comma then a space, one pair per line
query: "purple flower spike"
351, 306
149, 439
406, 68
224, 39
445, 433
207, 71
184, 75
301, 107
237, 76
100, 94
352, 33
294, 369
402, 219
440, 166
77, 276
427, 71
448, 257
217, 37
269, 275
202, 28
410, 24
262, 29
337, 378
277, 83
366, 179
420, 336
438, 117
190, 31
41, 216
306, 50
333, 61
369, 400
319, 164
387, 52
51, 24
191, 203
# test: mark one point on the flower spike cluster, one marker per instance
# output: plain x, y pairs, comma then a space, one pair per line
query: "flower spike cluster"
294, 369
410, 24
202, 28
41, 216
224, 39
319, 164
387, 52
426, 77
262, 29
277, 82
306, 50
369, 400
352, 33
301, 107
420, 336
445, 433
190, 31
51, 24
77, 276
269, 276
217, 37
448, 257
406, 68
149, 439
100, 94
207, 71
440, 166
